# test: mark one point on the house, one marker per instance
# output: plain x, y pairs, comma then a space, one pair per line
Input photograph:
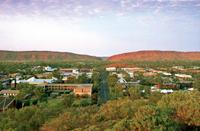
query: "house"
122, 80
190, 89
88, 72
166, 74
80, 91
49, 69
149, 74
183, 76
131, 74
156, 71
69, 71
196, 68
111, 69
129, 71
166, 91
178, 67
77, 89
9, 92
138, 69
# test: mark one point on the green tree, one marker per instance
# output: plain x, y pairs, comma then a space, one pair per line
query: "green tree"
196, 83
126, 76
1, 86
68, 100
83, 79
135, 92
71, 79
186, 106
57, 75
152, 118
96, 81
155, 97
112, 80
112, 83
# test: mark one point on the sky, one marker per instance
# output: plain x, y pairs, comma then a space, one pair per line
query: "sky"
100, 27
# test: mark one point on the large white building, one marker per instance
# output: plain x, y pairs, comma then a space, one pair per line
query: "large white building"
35, 81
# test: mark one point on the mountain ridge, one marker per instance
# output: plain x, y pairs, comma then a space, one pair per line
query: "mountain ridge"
156, 55
6, 55
143, 55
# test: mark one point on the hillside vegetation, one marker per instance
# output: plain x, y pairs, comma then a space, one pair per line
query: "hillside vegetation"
43, 56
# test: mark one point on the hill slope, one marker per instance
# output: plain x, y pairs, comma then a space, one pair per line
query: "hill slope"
42, 56
156, 56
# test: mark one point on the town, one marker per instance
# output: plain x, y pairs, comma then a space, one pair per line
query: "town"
55, 82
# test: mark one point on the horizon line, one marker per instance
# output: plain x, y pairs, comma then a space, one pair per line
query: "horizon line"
189, 51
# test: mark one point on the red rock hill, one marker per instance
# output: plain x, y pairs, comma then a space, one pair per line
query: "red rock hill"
156, 56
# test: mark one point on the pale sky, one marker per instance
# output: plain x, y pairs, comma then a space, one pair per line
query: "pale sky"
100, 27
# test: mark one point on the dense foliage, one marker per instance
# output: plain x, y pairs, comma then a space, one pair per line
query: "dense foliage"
133, 114
177, 111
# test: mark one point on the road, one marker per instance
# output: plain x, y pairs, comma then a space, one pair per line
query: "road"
103, 89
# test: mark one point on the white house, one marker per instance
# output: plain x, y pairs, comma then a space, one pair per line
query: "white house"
122, 80
131, 74
183, 76
190, 89
69, 71
49, 69
111, 69
166, 74
165, 91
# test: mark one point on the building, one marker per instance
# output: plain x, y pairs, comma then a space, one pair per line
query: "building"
138, 69
178, 67
69, 71
111, 69
166, 91
147, 74
77, 89
2, 75
49, 69
35, 81
166, 74
9, 92
83, 91
88, 72
183, 76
